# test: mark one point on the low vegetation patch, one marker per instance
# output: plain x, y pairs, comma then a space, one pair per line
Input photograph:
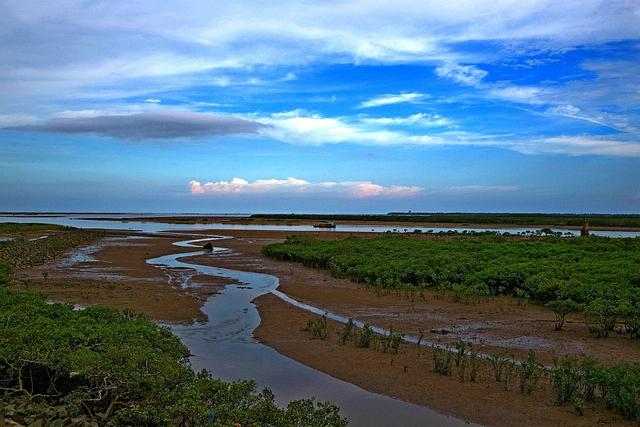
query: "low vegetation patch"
23, 253
580, 381
17, 227
597, 276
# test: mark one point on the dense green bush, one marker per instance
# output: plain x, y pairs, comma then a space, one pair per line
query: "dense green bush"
117, 368
580, 381
602, 316
581, 270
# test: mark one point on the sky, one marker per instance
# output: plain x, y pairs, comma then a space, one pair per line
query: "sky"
320, 106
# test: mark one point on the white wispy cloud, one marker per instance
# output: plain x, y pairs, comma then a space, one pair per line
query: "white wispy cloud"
355, 189
465, 74
578, 145
519, 94
301, 128
313, 129
389, 99
418, 119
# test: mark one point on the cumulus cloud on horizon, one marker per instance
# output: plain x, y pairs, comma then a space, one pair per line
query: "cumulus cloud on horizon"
149, 125
355, 189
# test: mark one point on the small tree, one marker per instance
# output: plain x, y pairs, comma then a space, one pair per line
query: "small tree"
562, 308
602, 316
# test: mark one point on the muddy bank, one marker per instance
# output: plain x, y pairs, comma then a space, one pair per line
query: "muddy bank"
113, 272
409, 376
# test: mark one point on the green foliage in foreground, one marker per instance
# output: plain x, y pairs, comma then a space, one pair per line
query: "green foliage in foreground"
584, 270
110, 368
16, 227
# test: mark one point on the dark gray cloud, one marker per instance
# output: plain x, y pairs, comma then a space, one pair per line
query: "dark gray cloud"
157, 125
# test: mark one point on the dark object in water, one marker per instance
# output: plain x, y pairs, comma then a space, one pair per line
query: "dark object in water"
441, 331
208, 246
325, 225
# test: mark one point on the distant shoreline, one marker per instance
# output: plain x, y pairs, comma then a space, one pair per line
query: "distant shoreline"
311, 221
603, 222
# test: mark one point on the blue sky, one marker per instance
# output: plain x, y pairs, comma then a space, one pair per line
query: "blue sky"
362, 106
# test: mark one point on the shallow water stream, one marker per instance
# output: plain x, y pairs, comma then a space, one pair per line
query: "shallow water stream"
225, 346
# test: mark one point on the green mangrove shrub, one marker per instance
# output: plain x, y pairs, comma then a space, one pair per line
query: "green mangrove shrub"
529, 373
562, 308
601, 315
317, 328
442, 361
346, 332
364, 337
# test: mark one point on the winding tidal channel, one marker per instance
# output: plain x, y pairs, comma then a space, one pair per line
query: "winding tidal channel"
225, 346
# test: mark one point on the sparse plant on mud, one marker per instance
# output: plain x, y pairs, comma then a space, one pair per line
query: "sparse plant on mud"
394, 339
461, 348
442, 361
529, 373
364, 337
462, 368
317, 328
474, 365
508, 372
499, 363
346, 332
